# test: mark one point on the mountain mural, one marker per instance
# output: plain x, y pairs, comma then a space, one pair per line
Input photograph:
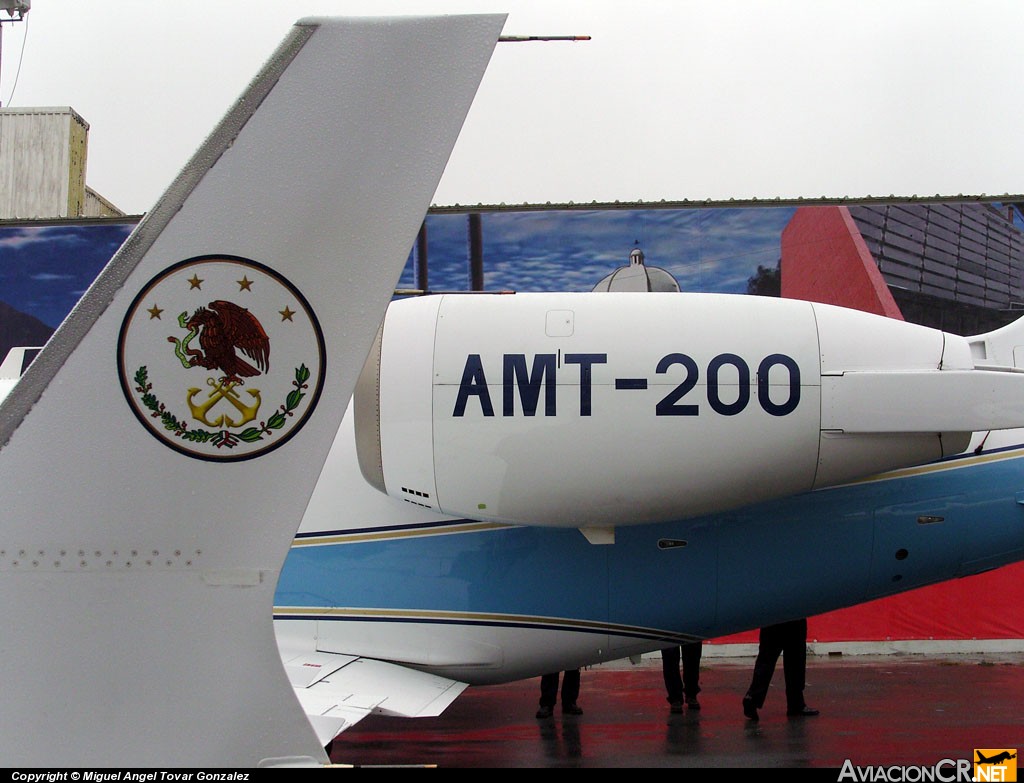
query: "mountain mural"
17, 328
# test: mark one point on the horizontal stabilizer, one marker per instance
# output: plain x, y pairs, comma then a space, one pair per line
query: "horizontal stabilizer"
923, 401
337, 691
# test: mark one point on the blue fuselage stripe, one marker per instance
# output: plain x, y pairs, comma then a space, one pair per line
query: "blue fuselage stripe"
793, 557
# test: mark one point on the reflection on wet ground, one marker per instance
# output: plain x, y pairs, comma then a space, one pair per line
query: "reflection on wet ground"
875, 710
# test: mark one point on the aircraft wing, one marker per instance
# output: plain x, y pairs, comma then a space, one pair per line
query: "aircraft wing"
338, 691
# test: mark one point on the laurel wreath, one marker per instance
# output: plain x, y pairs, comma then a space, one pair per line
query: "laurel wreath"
222, 438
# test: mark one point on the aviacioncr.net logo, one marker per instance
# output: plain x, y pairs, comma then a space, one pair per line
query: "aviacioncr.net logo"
995, 764
945, 771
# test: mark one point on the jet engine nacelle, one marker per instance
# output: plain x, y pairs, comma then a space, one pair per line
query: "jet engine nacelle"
603, 409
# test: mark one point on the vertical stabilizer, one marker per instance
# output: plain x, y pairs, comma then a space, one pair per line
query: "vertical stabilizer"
157, 457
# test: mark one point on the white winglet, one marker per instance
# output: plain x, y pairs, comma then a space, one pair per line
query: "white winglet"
159, 453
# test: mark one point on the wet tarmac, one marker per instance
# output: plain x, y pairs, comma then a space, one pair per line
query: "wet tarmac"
909, 710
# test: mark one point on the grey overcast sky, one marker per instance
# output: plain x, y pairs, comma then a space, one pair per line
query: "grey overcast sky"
671, 99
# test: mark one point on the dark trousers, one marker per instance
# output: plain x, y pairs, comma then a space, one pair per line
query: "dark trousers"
570, 688
790, 641
689, 683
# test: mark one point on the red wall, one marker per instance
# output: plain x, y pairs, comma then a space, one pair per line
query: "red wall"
824, 259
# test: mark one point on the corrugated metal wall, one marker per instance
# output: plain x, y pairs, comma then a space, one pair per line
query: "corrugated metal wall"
967, 253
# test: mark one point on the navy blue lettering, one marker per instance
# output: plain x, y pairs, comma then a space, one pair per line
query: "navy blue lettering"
473, 383
585, 361
630, 383
743, 390
778, 409
515, 374
528, 382
669, 404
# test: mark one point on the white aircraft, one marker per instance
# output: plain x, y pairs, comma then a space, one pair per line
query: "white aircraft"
198, 415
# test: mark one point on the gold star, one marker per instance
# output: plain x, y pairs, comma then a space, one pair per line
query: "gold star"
195, 282
245, 284
286, 314
154, 312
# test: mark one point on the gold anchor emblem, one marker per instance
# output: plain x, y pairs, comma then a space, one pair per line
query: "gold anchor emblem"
224, 391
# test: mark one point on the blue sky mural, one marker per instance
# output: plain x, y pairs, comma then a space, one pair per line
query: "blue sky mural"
44, 270
706, 250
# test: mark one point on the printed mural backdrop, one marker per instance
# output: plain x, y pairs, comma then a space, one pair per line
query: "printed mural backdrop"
706, 250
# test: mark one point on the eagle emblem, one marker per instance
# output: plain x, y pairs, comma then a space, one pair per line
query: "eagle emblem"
215, 395
224, 328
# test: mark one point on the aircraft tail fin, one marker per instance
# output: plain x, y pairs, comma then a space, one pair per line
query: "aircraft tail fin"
151, 477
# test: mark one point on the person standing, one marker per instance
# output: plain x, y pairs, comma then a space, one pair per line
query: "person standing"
570, 693
688, 686
789, 640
